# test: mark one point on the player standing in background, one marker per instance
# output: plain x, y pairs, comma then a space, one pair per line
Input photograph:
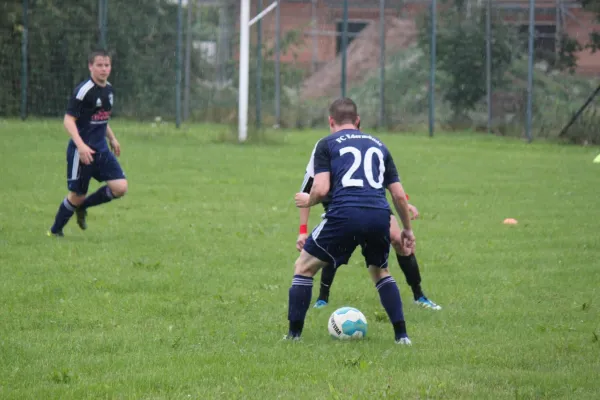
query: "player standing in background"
88, 155
356, 169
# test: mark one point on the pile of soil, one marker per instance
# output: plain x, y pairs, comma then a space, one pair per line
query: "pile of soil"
363, 57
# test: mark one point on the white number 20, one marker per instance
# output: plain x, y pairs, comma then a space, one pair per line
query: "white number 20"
347, 179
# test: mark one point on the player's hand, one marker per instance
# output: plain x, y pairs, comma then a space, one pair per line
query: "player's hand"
85, 154
407, 248
115, 146
407, 238
301, 240
302, 200
407, 234
414, 213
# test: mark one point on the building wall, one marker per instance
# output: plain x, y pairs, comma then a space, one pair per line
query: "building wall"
298, 16
588, 62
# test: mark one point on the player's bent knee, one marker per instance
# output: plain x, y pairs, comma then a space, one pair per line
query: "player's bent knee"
76, 199
307, 265
377, 273
118, 187
302, 268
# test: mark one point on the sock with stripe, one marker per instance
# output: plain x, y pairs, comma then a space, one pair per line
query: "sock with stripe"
391, 301
299, 301
65, 212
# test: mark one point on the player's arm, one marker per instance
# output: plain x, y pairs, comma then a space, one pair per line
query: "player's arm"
71, 127
112, 139
307, 185
303, 231
392, 182
414, 212
321, 181
304, 212
74, 110
320, 188
400, 204
109, 133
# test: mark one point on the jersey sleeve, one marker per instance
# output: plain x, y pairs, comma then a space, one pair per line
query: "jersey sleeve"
309, 175
322, 158
75, 105
391, 173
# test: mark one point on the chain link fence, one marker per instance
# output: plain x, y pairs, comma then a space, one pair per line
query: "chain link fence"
513, 67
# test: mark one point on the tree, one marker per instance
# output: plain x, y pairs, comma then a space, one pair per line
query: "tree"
593, 6
461, 55
141, 35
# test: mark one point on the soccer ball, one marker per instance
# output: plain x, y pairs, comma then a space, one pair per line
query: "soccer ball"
347, 323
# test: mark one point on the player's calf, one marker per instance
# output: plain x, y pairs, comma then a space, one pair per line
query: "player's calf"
65, 212
390, 300
112, 190
327, 275
300, 293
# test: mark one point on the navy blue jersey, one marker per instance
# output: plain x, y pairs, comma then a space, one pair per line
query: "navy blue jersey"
361, 168
92, 105
309, 177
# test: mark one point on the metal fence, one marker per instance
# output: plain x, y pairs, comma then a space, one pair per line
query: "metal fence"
497, 65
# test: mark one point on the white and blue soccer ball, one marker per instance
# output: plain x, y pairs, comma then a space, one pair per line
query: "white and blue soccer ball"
347, 323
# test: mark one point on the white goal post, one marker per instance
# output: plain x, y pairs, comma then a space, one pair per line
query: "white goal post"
245, 24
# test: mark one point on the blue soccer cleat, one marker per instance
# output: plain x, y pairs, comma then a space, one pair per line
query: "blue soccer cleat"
426, 303
320, 304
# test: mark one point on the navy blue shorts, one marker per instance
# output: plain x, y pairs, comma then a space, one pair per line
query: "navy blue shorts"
105, 167
342, 230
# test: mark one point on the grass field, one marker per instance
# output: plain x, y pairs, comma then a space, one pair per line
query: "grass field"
179, 290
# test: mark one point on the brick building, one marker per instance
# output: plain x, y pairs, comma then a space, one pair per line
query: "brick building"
320, 22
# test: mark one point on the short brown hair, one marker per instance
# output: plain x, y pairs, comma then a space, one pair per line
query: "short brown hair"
343, 111
98, 53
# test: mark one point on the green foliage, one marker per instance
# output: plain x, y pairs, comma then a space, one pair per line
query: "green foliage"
219, 104
461, 55
10, 56
206, 25
141, 36
557, 96
567, 58
593, 6
144, 42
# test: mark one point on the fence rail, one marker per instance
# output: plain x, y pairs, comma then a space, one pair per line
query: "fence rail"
492, 65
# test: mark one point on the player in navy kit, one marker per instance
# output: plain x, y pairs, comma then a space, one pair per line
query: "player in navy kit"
88, 154
408, 262
352, 172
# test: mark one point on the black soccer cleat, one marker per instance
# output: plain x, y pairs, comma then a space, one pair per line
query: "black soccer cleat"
81, 215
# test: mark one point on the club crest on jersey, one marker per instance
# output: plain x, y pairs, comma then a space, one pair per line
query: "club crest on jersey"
110, 99
98, 102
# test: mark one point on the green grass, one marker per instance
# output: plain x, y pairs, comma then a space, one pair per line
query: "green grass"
179, 290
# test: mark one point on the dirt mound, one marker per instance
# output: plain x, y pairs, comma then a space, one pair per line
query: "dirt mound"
362, 58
